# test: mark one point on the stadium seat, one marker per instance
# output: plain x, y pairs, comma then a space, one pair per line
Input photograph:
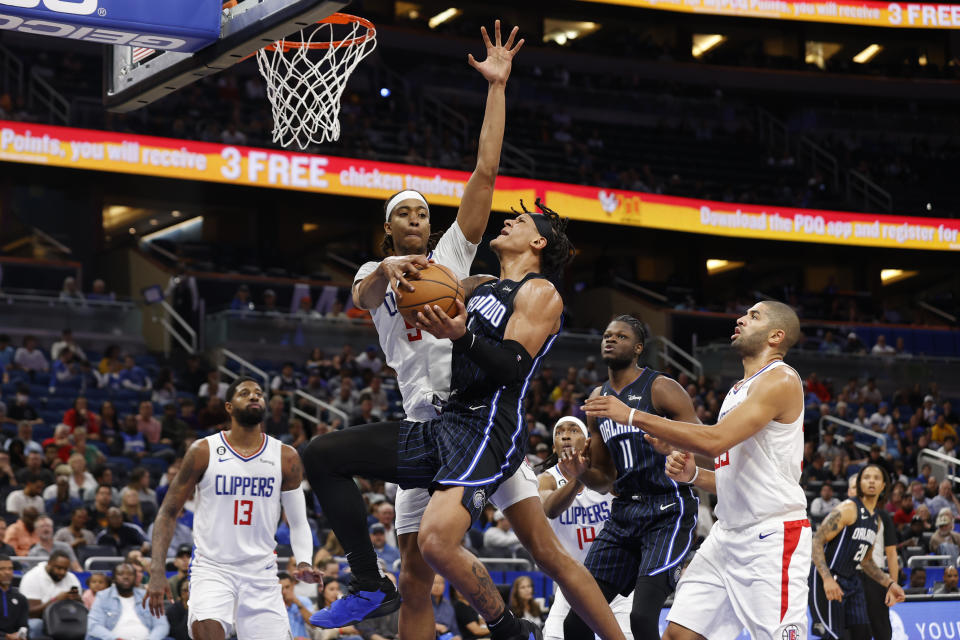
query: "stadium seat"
95, 550
65, 620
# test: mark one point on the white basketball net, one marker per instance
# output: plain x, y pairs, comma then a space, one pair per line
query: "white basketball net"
305, 84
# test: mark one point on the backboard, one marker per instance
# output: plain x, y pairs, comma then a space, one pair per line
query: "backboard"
136, 76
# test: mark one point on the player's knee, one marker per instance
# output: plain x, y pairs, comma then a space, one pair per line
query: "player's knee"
416, 580
321, 456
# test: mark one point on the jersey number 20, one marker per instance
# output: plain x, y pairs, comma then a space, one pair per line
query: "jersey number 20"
242, 511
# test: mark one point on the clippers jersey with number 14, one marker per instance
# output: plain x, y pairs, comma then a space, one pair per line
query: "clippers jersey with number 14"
577, 527
238, 507
759, 478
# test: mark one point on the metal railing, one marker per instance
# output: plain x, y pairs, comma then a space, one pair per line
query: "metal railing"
931, 558
772, 131
517, 561
819, 158
853, 427
11, 72
515, 160
113, 560
300, 394
640, 289
937, 311
180, 330
679, 358
245, 366
861, 189
42, 94
947, 465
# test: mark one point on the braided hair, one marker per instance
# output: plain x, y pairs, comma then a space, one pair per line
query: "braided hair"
638, 329
559, 251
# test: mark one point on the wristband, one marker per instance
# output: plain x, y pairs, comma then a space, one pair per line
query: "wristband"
630, 418
696, 474
892, 582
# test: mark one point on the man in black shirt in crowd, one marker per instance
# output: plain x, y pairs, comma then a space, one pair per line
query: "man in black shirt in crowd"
120, 534
16, 608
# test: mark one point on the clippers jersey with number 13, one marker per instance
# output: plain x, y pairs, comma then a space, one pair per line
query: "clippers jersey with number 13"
759, 478
238, 506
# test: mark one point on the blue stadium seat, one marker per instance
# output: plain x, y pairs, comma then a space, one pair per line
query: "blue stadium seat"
120, 462
43, 431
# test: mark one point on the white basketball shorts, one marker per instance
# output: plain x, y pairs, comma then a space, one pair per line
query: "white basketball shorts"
411, 503
553, 627
753, 578
249, 605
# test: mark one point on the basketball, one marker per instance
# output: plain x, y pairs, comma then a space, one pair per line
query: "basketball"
437, 285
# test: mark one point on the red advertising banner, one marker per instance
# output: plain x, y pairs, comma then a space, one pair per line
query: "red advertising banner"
248, 166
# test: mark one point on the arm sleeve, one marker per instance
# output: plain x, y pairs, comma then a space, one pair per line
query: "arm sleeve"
301, 538
506, 363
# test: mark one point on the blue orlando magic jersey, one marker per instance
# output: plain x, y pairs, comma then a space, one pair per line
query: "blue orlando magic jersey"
488, 312
640, 469
847, 549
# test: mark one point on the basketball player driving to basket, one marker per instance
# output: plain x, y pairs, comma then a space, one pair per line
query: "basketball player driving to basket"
242, 478
752, 569
422, 363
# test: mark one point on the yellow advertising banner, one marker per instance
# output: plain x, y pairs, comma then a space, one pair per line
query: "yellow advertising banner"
872, 14
248, 166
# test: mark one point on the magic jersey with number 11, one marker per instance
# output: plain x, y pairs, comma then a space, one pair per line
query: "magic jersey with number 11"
759, 478
238, 505
428, 373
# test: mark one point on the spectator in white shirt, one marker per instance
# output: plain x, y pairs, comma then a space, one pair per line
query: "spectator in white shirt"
881, 348
67, 342
287, 382
500, 538
881, 418
46, 545
29, 496
870, 393
30, 358
46, 583
369, 360
828, 448
824, 503
213, 386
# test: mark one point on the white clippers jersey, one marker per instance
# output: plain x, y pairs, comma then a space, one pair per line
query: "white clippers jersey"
238, 506
577, 527
421, 361
759, 478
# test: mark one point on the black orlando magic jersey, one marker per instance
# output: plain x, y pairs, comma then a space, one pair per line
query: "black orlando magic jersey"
640, 469
488, 312
849, 548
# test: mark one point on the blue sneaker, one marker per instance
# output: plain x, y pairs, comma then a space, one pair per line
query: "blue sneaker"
358, 605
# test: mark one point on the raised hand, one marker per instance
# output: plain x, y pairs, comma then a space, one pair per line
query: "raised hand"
306, 573
496, 68
573, 464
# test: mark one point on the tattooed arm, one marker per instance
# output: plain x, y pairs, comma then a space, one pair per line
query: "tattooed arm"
870, 569
843, 515
295, 508
191, 471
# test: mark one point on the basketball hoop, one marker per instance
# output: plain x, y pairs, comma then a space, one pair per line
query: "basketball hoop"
306, 77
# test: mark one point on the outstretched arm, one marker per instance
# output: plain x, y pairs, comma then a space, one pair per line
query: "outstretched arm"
776, 395
478, 194
184, 483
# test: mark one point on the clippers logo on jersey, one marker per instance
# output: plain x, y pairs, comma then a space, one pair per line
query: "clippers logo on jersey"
594, 514
489, 308
255, 486
83, 8
791, 632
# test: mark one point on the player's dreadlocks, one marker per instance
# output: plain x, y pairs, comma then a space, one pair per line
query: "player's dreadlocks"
638, 329
559, 251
